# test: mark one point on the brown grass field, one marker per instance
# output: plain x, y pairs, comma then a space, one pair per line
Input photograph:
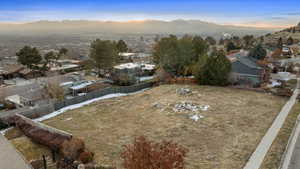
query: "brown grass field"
224, 139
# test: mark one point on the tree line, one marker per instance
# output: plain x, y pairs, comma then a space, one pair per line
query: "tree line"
192, 56
34, 60
186, 56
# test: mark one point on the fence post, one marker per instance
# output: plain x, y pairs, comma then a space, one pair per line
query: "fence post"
45, 162
53, 156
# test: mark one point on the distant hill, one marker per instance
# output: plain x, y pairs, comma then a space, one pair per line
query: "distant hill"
293, 32
133, 27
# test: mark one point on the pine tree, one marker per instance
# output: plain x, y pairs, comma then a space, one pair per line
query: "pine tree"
211, 40
30, 57
279, 43
215, 71
258, 52
231, 46
104, 53
122, 46
178, 56
290, 41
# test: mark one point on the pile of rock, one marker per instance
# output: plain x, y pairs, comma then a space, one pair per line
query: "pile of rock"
190, 107
186, 106
184, 91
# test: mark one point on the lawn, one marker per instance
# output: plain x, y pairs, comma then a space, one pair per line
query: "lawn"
231, 128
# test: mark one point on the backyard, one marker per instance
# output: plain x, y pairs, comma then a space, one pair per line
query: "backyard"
221, 127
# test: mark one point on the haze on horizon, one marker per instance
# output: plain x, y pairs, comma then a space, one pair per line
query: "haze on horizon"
253, 13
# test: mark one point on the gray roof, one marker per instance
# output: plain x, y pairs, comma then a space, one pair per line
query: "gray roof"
250, 62
246, 65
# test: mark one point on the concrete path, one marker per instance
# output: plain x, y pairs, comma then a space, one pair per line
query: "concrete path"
259, 154
291, 154
9, 157
294, 162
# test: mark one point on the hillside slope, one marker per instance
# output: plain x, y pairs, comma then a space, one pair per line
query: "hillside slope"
293, 32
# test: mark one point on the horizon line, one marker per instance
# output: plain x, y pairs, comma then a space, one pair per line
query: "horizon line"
246, 25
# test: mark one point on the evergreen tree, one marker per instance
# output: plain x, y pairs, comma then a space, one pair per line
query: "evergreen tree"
258, 52
178, 56
30, 57
221, 41
210, 40
279, 43
231, 46
200, 47
216, 70
122, 46
62, 52
248, 41
290, 41
48, 57
104, 54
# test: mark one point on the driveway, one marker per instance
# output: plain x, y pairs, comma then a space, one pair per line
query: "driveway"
9, 157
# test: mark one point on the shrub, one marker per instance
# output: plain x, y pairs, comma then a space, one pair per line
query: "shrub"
86, 157
124, 79
71, 149
163, 76
145, 154
55, 91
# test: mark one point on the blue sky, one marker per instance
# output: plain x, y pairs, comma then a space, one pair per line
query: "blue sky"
238, 12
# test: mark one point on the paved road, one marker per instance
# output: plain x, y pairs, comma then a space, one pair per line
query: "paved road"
9, 157
259, 154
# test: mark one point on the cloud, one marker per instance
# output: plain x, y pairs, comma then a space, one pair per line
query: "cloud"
293, 14
277, 18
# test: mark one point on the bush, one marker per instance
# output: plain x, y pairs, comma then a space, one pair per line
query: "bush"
55, 91
72, 149
124, 79
86, 157
145, 154
163, 76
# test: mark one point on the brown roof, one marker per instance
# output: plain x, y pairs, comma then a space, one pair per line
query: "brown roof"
25, 71
11, 68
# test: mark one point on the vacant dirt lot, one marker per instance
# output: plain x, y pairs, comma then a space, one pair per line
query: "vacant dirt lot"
224, 139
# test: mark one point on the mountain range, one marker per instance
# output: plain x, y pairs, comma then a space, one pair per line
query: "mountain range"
131, 27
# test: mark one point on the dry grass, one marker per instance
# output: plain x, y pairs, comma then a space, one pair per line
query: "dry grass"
224, 139
274, 155
29, 150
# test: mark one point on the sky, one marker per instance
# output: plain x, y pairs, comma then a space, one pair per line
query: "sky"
258, 13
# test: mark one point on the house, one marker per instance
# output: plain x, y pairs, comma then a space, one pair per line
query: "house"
66, 65
246, 71
80, 87
131, 72
138, 69
10, 71
135, 57
287, 51
29, 98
